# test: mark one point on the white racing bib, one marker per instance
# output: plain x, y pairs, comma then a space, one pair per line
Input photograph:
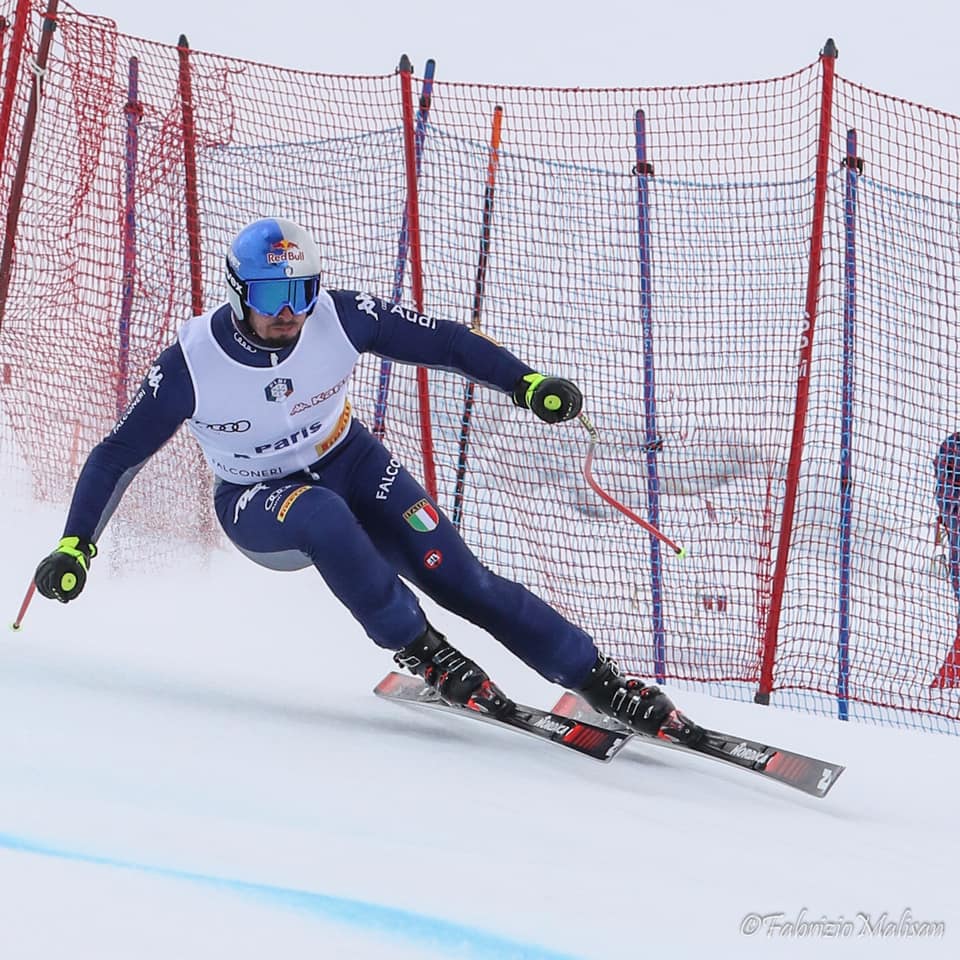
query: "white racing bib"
259, 423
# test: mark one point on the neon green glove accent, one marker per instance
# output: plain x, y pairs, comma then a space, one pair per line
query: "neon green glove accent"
533, 380
80, 550
552, 399
62, 574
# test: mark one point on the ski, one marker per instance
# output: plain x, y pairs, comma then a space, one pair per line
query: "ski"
808, 774
574, 724
591, 740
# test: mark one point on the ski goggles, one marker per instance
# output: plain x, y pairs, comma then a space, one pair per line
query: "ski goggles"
269, 297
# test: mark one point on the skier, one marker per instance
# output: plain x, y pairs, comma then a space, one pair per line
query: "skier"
261, 382
946, 466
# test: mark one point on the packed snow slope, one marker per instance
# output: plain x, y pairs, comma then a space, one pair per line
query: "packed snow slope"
192, 765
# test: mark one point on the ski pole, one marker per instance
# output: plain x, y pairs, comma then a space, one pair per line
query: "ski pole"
23, 606
587, 472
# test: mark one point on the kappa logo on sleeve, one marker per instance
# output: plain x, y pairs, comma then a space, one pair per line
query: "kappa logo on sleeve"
154, 377
366, 304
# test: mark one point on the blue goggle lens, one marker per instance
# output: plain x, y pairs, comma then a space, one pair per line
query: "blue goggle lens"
269, 297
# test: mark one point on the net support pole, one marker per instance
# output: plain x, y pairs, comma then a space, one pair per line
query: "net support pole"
644, 173
479, 284
21, 19
133, 112
386, 366
4, 24
828, 57
854, 167
26, 138
208, 529
191, 196
416, 267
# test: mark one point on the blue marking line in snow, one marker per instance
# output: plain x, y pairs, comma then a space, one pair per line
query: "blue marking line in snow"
452, 939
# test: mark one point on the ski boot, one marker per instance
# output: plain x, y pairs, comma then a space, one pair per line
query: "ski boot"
644, 709
455, 677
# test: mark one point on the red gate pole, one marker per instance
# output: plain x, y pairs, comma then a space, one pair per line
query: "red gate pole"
20, 21
208, 529
190, 176
416, 266
26, 140
828, 58
3, 36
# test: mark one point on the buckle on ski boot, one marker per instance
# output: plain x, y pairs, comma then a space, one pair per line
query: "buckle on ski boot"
644, 709
678, 728
455, 677
490, 699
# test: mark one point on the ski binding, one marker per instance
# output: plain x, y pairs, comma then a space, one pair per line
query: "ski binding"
591, 740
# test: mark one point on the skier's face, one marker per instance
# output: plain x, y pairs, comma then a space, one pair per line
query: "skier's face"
278, 331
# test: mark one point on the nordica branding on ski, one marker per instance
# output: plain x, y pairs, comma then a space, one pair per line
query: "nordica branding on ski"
596, 742
574, 724
757, 757
807, 774
553, 726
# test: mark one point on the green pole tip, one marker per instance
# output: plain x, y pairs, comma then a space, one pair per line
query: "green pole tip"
682, 552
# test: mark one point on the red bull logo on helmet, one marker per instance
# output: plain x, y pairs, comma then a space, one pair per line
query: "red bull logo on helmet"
284, 251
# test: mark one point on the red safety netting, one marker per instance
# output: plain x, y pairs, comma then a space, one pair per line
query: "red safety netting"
663, 261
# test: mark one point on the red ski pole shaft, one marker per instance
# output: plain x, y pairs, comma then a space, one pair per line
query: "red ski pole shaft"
587, 472
23, 606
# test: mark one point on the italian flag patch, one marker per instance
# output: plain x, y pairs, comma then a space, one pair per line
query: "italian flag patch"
422, 516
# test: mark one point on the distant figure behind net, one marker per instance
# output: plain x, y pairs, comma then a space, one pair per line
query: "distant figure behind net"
947, 470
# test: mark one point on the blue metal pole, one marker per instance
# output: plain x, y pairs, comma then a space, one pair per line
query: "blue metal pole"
383, 387
478, 289
854, 167
133, 113
644, 172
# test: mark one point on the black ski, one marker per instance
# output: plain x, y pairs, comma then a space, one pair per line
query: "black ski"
574, 724
796, 770
597, 742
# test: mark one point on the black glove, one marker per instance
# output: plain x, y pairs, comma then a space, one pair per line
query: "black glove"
551, 398
62, 575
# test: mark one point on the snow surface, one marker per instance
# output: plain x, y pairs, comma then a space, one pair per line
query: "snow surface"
192, 765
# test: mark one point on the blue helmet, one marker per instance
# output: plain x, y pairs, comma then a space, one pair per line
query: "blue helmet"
272, 264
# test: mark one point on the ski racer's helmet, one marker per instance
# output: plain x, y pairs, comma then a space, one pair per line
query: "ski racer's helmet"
272, 264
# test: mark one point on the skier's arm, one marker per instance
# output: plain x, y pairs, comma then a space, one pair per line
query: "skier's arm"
165, 399
402, 334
